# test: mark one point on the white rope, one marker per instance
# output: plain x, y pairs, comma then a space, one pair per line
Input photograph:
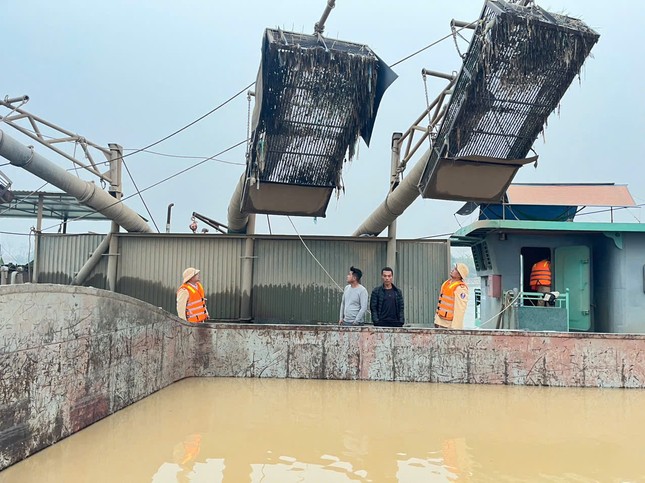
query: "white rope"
510, 304
314, 256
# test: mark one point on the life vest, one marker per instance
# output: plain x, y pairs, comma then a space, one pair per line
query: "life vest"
196, 306
446, 306
540, 274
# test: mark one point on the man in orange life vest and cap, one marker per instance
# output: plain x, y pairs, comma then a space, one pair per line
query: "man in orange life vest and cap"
191, 303
541, 278
453, 300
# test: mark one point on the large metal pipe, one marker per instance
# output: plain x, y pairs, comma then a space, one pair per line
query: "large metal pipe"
237, 221
86, 192
91, 262
319, 27
396, 202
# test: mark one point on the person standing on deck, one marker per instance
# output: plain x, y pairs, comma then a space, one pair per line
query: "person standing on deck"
541, 278
386, 302
191, 302
453, 300
353, 305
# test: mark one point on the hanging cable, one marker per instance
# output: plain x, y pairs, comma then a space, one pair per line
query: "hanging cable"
156, 184
313, 256
141, 196
182, 156
191, 123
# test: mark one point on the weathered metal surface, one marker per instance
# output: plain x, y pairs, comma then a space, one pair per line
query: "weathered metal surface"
422, 266
150, 268
288, 284
60, 257
73, 355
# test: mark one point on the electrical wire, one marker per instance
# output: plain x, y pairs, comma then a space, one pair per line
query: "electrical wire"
140, 195
157, 183
136, 151
190, 123
25, 197
183, 156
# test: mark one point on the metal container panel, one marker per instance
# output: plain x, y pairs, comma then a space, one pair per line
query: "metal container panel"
150, 268
291, 287
422, 268
60, 257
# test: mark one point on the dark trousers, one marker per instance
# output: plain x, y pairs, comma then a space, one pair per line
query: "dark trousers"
388, 324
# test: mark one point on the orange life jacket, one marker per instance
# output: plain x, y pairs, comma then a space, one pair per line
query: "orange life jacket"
446, 306
196, 306
540, 274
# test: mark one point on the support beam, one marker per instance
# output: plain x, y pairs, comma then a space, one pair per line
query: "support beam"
246, 312
394, 181
39, 227
91, 262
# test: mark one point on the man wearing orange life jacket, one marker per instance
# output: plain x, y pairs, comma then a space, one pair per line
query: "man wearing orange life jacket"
541, 278
191, 303
453, 300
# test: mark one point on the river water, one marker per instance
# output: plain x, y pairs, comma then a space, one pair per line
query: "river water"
275, 430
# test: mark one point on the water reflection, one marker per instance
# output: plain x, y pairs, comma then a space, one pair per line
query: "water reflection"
239, 430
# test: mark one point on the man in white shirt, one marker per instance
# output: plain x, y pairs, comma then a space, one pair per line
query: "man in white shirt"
353, 305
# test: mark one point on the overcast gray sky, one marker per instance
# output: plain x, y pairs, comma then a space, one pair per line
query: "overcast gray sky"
132, 72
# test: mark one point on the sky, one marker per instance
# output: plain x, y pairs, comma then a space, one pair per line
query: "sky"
133, 72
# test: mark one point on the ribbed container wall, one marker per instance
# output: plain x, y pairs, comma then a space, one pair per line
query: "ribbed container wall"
150, 268
422, 268
291, 287
60, 257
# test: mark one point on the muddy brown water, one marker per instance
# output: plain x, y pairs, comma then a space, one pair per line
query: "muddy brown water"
275, 430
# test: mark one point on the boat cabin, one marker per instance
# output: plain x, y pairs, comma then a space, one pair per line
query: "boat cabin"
597, 268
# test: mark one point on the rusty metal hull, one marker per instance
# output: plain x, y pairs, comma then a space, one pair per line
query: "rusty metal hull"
71, 356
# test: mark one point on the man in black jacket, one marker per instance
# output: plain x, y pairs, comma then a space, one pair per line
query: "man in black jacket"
386, 302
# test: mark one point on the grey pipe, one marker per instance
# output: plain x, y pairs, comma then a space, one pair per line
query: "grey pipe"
11, 100
237, 221
86, 192
91, 262
319, 27
396, 202
168, 217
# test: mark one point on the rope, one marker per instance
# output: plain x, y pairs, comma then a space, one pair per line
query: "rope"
509, 305
433, 44
313, 256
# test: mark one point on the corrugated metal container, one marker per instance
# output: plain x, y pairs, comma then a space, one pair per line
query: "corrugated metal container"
290, 286
150, 268
422, 268
60, 257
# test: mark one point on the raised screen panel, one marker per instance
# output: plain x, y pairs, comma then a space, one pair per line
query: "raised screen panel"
314, 98
520, 62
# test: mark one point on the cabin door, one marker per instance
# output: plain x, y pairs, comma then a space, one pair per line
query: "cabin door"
572, 271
